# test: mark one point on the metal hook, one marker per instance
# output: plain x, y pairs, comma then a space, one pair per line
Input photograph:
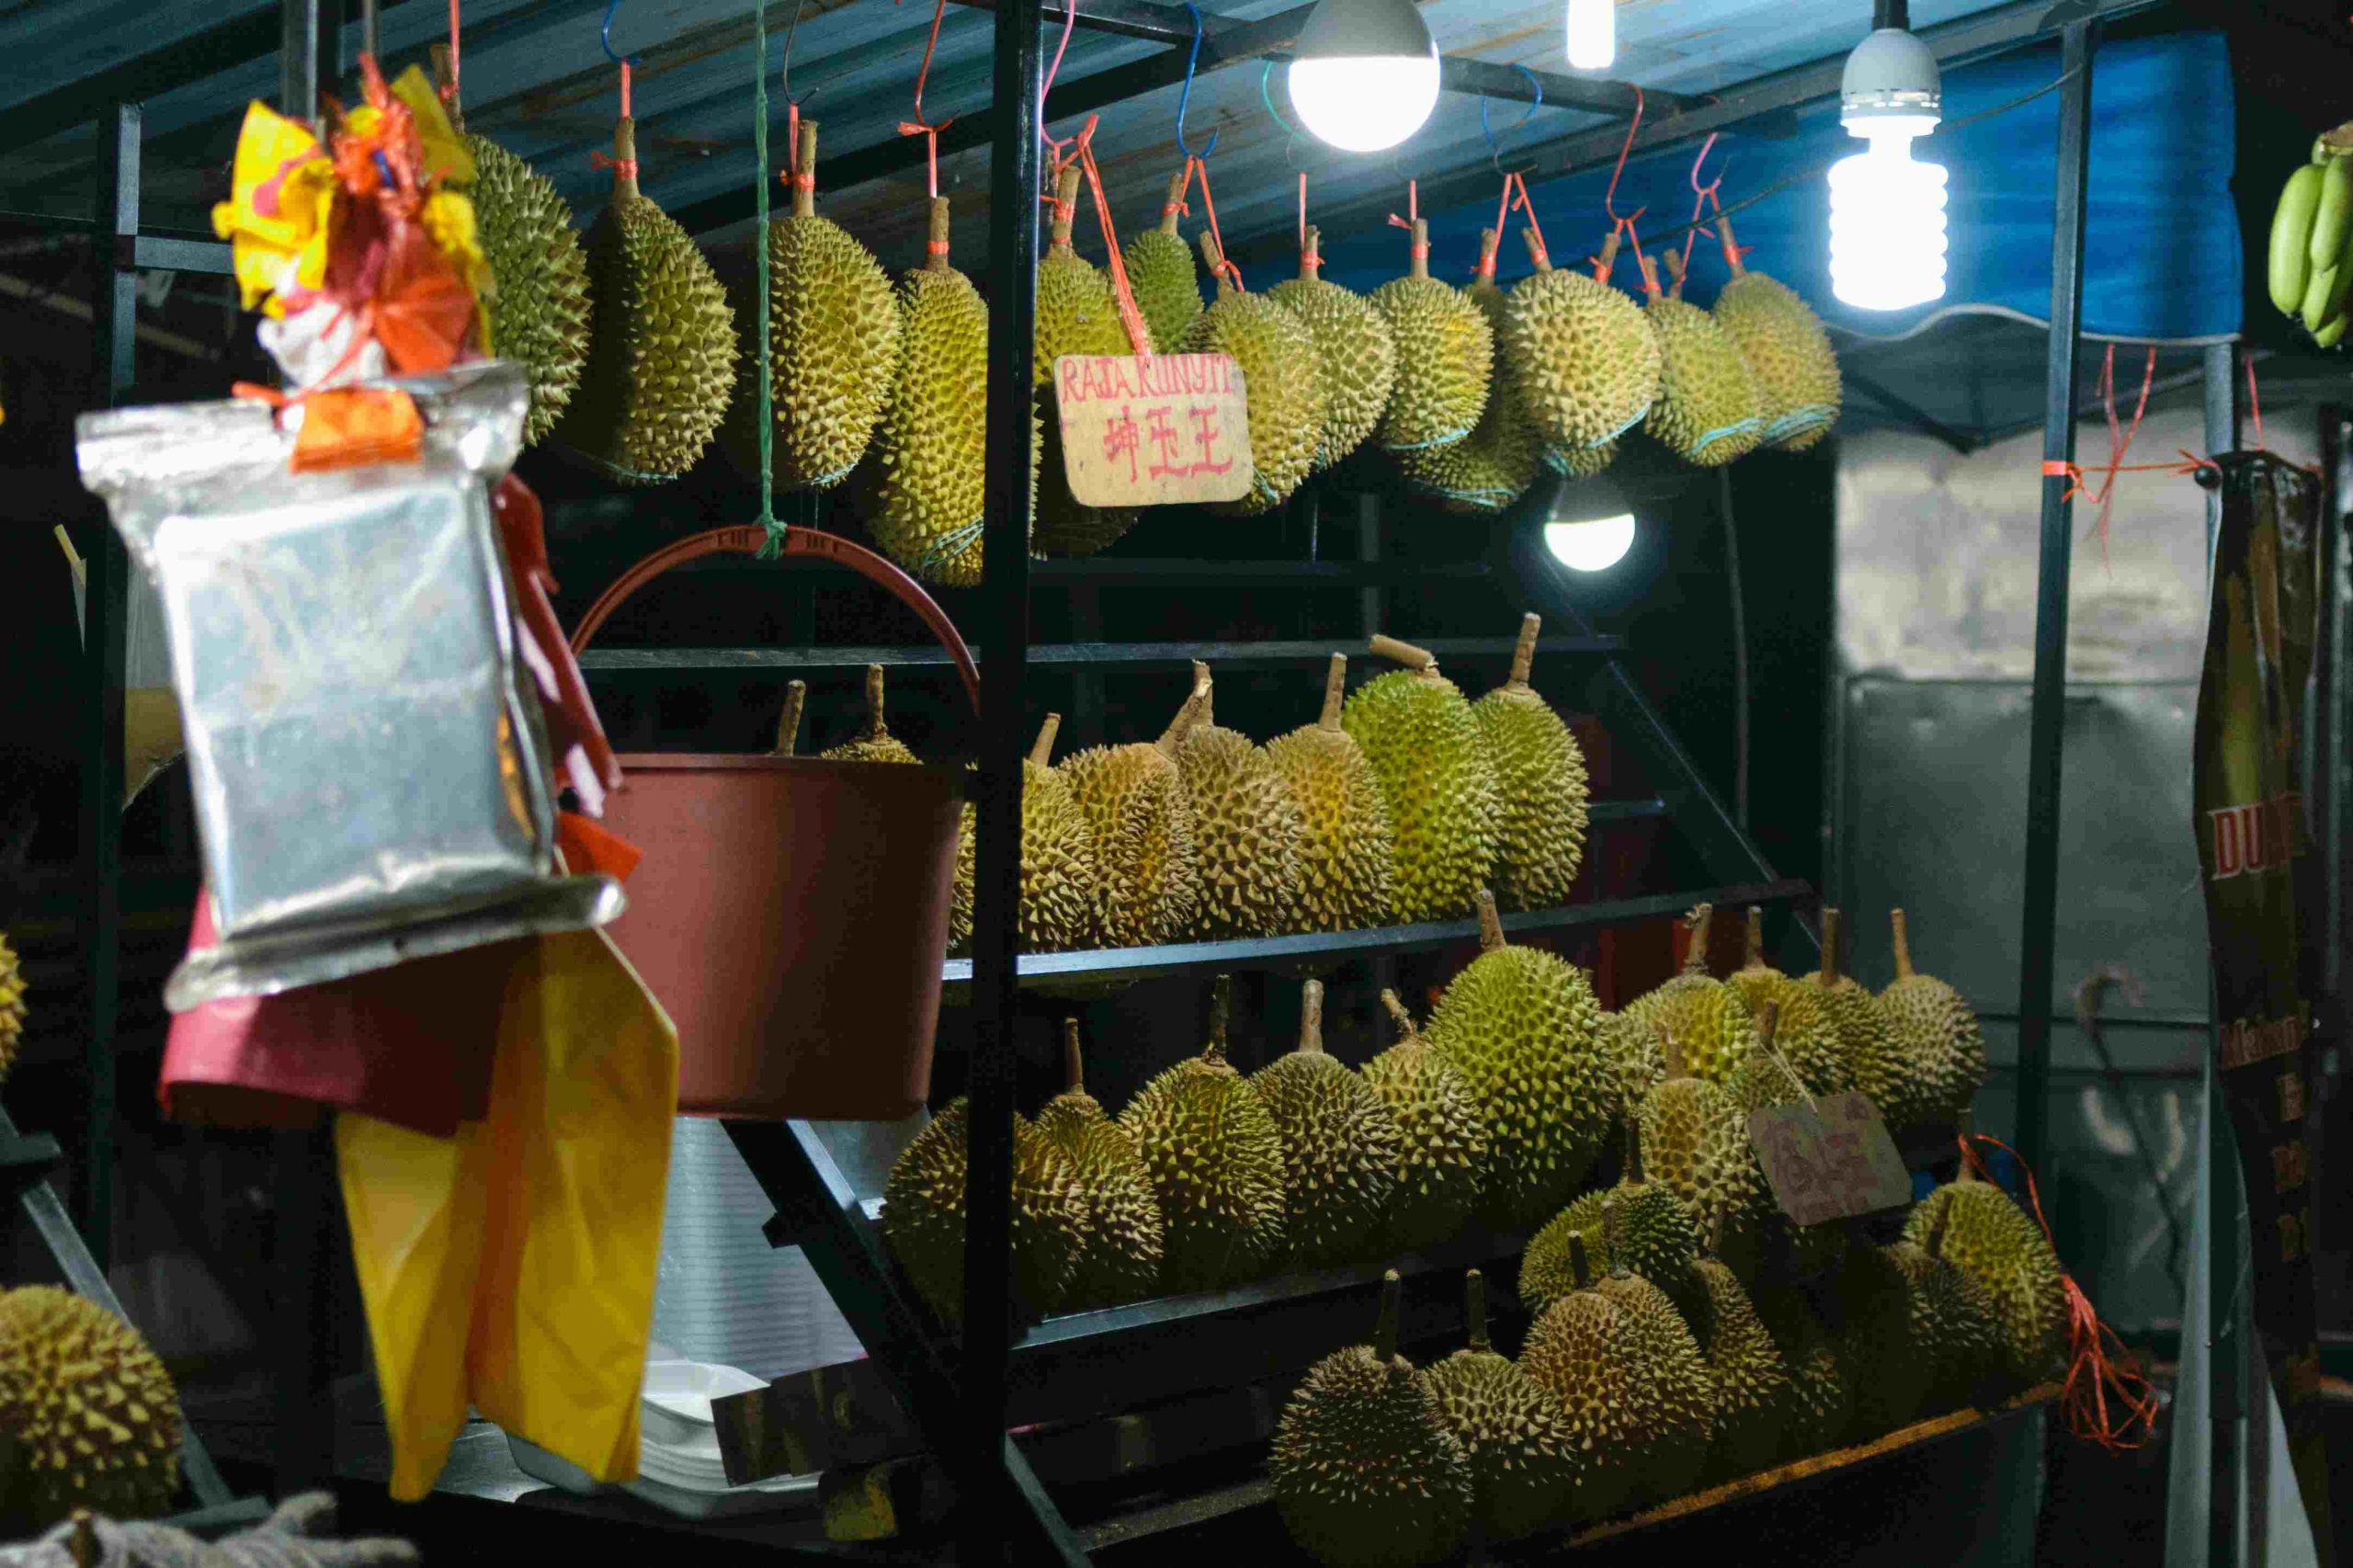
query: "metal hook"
1494, 153
1184, 96
1705, 148
605, 37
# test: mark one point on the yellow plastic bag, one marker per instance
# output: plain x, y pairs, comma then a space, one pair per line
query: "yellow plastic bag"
513, 1267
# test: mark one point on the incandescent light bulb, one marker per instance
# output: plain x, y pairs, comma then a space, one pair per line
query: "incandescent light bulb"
1365, 74
1593, 34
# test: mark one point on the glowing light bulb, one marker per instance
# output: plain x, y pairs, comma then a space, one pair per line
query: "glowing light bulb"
1887, 220
1364, 103
1593, 34
1594, 545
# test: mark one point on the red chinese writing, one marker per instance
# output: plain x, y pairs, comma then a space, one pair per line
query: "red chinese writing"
1120, 438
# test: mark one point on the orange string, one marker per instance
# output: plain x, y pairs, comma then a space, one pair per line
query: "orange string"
1419, 250
1543, 253
625, 114
2255, 405
919, 126
449, 87
1138, 336
2092, 1370
794, 176
1302, 216
1225, 267
1701, 196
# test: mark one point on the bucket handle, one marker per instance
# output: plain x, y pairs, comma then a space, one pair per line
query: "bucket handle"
746, 540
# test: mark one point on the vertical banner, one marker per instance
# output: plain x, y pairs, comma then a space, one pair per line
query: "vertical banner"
2265, 909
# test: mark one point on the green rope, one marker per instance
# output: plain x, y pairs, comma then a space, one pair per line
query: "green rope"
773, 545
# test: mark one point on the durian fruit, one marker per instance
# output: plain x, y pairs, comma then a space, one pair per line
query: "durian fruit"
1745, 1371
1954, 1319
924, 1210
1426, 750
1246, 829
1766, 1078
1786, 349
1445, 355
1994, 1242
1633, 1046
1654, 1235
1805, 1035
88, 1418
1161, 274
1695, 1140
1125, 1234
1346, 861
1365, 1472
1519, 1024
1525, 1455
1445, 1144
1493, 467
1874, 1055
661, 366
12, 1006
1707, 1018
1216, 1159
1341, 1147
1582, 463
1936, 1030
1683, 1396
1540, 784
1878, 1340
835, 333
1708, 407
1583, 358
875, 742
931, 446
1079, 312
1283, 376
1822, 1402
1061, 873
1356, 357
1134, 801
1585, 1352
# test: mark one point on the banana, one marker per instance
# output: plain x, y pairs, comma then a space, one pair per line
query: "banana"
2318, 290
2291, 226
2332, 215
2330, 334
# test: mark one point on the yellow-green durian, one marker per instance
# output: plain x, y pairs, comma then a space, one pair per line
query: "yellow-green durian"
660, 367
1708, 1018
1446, 355
12, 1006
1341, 1147
1767, 1078
1936, 1030
924, 1211
1957, 1321
1788, 352
1745, 1371
1133, 799
1061, 873
1804, 1032
1353, 348
536, 305
1585, 362
1585, 1352
1708, 409
1638, 1222
88, 1418
875, 742
1161, 274
1079, 312
1541, 786
1526, 1455
1426, 748
1696, 1140
1491, 467
1345, 856
1281, 375
1874, 1052
1993, 1241
1445, 1145
930, 447
1246, 829
1125, 1234
1878, 1337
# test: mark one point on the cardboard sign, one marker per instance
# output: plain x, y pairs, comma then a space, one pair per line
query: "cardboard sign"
1157, 432
1830, 1159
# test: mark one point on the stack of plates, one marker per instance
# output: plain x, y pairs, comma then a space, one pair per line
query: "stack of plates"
678, 1465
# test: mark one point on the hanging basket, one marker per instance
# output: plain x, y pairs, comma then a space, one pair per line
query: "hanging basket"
791, 913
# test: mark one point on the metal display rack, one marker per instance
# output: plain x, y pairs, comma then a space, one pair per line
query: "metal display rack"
965, 1393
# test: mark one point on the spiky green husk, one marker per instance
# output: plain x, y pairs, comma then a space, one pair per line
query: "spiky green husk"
1439, 786
923, 1210
1682, 1393
1341, 1154
929, 448
1874, 1054
1745, 1371
1634, 1046
1492, 466
1134, 803
834, 341
1061, 873
1525, 1455
1443, 1142
1993, 1241
1540, 785
1584, 1352
1696, 1141
1659, 1241
1585, 361
1283, 376
1878, 1341
1247, 831
12, 1006
1078, 314
1791, 1251
1954, 1319
1167, 286
1706, 411
1345, 862
1711, 1024
1445, 363
1357, 356
1365, 1472
88, 1418
1804, 1031
537, 302
1936, 1034
1125, 1234
1822, 1402
1216, 1161
1789, 353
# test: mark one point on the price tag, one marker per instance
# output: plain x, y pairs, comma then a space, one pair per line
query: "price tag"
1830, 1159
1157, 432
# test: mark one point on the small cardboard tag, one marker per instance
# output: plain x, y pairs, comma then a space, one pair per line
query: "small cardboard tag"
1830, 1159
1157, 432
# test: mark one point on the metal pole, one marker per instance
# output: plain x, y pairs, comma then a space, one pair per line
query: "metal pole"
2050, 714
1013, 183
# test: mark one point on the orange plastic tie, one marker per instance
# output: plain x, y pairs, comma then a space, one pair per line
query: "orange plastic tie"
625, 168
1225, 267
1543, 255
794, 176
2255, 405
449, 87
1138, 336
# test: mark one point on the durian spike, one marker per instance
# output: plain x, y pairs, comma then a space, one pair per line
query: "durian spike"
1310, 255
624, 161
1174, 202
875, 728
1042, 747
1335, 690
1397, 1011
1702, 918
1221, 1009
1311, 1019
1073, 1060
804, 184
1543, 260
1731, 251
936, 252
1830, 933
1612, 1239
1405, 653
1384, 1333
1475, 1308
445, 82
1902, 944
1491, 922
1523, 653
1754, 958
1215, 257
788, 724
1580, 1266
1675, 271
1671, 1051
1418, 265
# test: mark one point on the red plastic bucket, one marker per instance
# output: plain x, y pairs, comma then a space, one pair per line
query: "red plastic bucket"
791, 913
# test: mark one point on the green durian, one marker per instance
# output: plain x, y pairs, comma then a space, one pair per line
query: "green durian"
1954, 1318
1695, 1140
1990, 1239
1445, 1144
1874, 1055
1355, 354
1786, 349
1707, 1018
1282, 376
1246, 829
1489, 469
1079, 312
1708, 409
1878, 1342
1061, 871
1125, 1236
1587, 1353
537, 306
875, 742
1745, 1371
1445, 357
1936, 1031
1654, 1235
924, 1211
88, 1418
1133, 799
1426, 748
1822, 1402
1583, 358
1766, 1078
1539, 783
1805, 1035
1346, 861
1341, 1147
12, 1006
1525, 1455
1161, 274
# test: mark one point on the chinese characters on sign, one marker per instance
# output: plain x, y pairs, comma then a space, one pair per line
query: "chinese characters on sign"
1829, 1159
1153, 432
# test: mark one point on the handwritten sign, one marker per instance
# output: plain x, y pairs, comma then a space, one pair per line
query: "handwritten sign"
1830, 1159
1157, 432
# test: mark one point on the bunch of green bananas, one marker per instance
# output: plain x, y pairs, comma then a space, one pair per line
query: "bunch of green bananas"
2311, 240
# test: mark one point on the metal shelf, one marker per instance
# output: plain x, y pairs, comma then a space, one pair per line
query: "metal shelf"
1067, 655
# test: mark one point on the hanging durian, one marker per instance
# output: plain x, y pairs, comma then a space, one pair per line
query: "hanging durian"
1216, 1160
1526, 1457
662, 345
1246, 829
930, 449
88, 1418
1161, 275
1706, 410
1585, 362
1654, 1235
1993, 1241
1518, 1024
1786, 349
1873, 1054
1345, 856
1125, 1236
923, 1214
1061, 868
1079, 312
1426, 748
1341, 1147
1707, 1018
1804, 1034
1446, 355
12, 1006
1540, 784
1696, 1140
1491, 467
1445, 1144
1936, 1032
875, 742
1585, 1352
536, 305
1281, 375
833, 337
1133, 799
1745, 1371
1353, 351
1365, 1472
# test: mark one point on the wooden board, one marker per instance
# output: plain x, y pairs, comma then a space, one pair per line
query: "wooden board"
1164, 431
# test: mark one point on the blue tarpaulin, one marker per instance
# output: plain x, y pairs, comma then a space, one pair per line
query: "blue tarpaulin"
2161, 254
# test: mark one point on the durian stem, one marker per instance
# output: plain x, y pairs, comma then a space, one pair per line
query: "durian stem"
1670, 1050
1491, 922
1188, 714
1543, 260
1335, 686
1074, 1061
446, 84
1612, 1239
1311, 1019
1405, 653
874, 726
1475, 1308
936, 252
1065, 205
1204, 688
1675, 271
1221, 1009
804, 184
1902, 944
1419, 264
1215, 258
1310, 255
1580, 1266
1699, 921
1830, 933
1634, 1146
624, 160
1397, 1011
1042, 747
1176, 183
1767, 1022
1384, 1333
1523, 653
787, 726
1608, 261
1754, 958
1731, 251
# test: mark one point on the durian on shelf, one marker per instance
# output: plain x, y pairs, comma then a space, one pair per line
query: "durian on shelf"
1444, 1141
1341, 1147
1540, 787
1246, 828
1437, 777
1346, 861
12, 1006
88, 1416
